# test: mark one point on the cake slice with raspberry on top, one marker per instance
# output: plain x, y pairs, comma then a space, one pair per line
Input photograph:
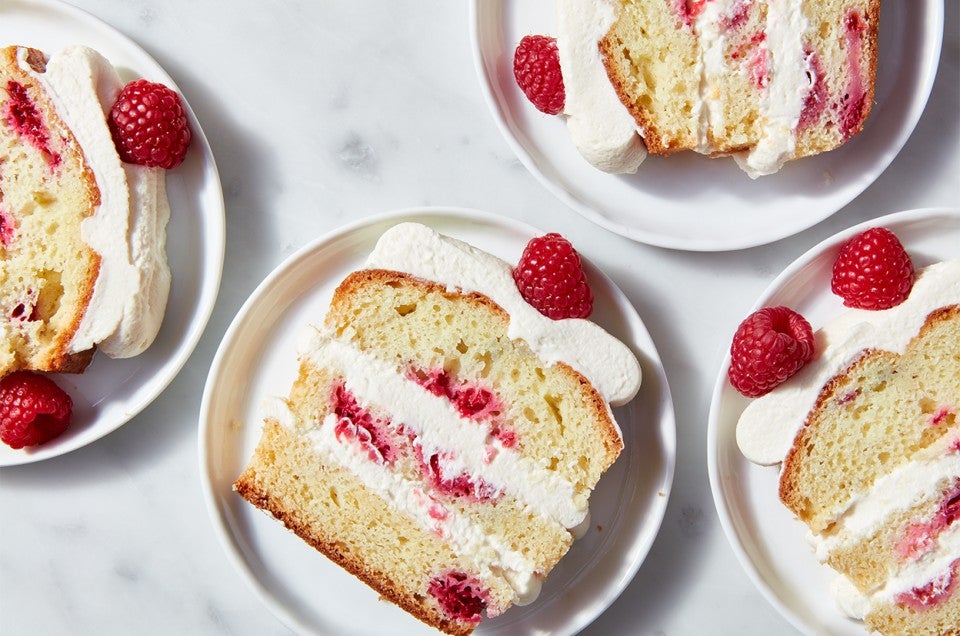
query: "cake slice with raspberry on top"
763, 81
443, 436
868, 437
83, 208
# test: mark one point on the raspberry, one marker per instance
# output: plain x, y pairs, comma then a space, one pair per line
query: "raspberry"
872, 271
550, 277
149, 125
769, 346
536, 67
462, 597
33, 409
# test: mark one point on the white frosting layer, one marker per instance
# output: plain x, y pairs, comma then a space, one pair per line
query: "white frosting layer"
128, 229
712, 66
420, 251
440, 429
903, 488
782, 101
769, 424
934, 568
600, 126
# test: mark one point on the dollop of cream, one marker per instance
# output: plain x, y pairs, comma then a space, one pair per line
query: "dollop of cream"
420, 251
767, 427
600, 126
128, 228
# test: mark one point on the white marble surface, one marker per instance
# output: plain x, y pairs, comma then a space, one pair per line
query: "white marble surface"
323, 113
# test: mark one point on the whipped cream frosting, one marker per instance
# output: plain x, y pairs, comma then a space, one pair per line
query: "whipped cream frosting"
600, 126
128, 228
605, 361
769, 424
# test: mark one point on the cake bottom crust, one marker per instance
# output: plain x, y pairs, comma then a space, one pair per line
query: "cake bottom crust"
352, 527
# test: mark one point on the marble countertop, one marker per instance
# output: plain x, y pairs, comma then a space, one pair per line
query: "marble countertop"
320, 114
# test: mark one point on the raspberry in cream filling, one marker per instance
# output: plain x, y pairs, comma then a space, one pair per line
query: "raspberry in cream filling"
473, 402
920, 538
853, 107
934, 593
8, 228
378, 438
384, 442
22, 116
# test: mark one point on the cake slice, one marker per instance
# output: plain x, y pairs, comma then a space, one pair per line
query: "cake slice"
869, 438
875, 474
47, 272
82, 235
438, 444
766, 82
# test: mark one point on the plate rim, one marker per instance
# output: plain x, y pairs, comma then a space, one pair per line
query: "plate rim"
717, 488
477, 8
213, 225
657, 506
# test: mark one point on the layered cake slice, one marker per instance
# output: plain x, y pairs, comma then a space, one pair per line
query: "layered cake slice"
82, 234
869, 439
442, 438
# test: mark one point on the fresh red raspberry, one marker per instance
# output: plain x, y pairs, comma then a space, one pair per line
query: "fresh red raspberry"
550, 277
536, 67
149, 125
33, 409
769, 346
872, 271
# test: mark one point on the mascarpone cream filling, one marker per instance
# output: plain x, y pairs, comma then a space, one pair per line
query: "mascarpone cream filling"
915, 575
712, 67
782, 101
900, 490
440, 428
769, 424
128, 229
606, 362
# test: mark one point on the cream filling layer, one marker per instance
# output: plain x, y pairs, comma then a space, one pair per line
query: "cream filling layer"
128, 229
769, 424
712, 67
420, 251
900, 490
782, 101
441, 429
915, 575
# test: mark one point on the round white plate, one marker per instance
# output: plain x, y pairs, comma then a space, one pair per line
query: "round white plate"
688, 201
312, 595
768, 540
111, 392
